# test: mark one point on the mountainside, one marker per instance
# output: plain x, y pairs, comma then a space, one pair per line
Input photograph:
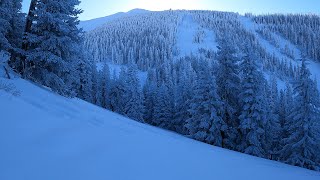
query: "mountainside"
94, 23
157, 38
46, 136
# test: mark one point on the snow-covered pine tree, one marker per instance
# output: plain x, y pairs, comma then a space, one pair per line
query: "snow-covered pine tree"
117, 92
206, 123
96, 88
11, 29
228, 82
5, 16
133, 99
85, 70
105, 84
285, 109
15, 34
183, 97
272, 126
282, 112
53, 44
302, 145
163, 109
149, 94
100, 87
252, 117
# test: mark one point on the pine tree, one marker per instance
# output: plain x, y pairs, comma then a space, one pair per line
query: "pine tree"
53, 44
133, 107
206, 123
117, 92
182, 103
252, 117
96, 95
85, 70
228, 81
105, 85
11, 29
5, 16
285, 109
302, 145
15, 35
272, 127
163, 110
149, 94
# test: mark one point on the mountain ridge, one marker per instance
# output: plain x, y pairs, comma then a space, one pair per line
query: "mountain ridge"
92, 24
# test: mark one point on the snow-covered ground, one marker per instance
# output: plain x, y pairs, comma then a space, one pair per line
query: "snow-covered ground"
44, 136
185, 37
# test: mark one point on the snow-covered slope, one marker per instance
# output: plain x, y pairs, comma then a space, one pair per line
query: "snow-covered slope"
44, 136
94, 23
187, 31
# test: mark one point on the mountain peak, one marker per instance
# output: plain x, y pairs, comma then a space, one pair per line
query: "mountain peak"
137, 11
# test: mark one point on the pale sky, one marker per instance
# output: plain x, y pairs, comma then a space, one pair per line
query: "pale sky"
100, 8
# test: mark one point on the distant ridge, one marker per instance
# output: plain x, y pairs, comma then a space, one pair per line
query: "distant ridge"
94, 23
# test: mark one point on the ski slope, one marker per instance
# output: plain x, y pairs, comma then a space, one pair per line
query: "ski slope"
185, 37
313, 66
44, 136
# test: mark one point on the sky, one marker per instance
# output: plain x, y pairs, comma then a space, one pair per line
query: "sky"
100, 8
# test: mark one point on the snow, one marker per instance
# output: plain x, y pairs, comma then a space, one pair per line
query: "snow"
3, 57
46, 136
315, 71
280, 83
187, 29
95, 23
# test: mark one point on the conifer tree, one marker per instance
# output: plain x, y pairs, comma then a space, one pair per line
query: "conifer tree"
149, 94
272, 126
53, 43
15, 35
133, 99
228, 81
206, 123
302, 144
5, 16
252, 117
11, 29
182, 102
105, 86
85, 70
163, 108
117, 92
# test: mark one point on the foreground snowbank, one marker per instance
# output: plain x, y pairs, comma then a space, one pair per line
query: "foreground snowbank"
44, 136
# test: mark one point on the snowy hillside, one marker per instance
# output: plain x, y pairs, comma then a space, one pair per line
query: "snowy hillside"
94, 23
46, 136
172, 35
